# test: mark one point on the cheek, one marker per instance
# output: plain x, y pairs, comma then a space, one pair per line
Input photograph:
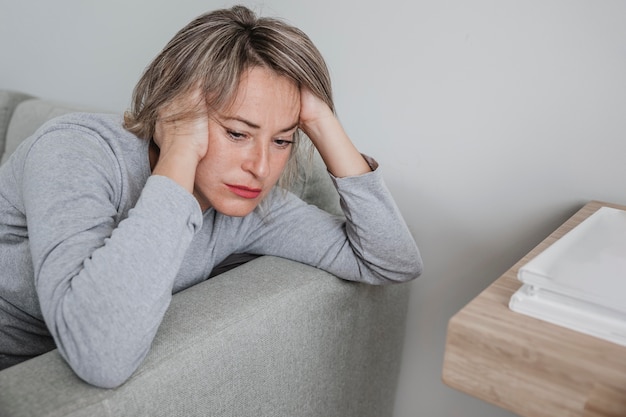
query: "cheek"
279, 165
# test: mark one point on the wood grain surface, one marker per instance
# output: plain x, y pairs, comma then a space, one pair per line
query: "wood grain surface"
529, 366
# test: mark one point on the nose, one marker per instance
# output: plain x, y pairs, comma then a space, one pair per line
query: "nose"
257, 161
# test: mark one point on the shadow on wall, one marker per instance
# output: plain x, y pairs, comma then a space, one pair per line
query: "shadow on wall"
464, 250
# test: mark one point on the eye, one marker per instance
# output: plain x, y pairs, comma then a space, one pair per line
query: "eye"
283, 143
235, 135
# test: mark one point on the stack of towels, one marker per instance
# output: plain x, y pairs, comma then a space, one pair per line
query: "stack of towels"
579, 282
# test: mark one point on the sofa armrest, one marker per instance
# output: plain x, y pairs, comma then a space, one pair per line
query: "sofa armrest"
271, 337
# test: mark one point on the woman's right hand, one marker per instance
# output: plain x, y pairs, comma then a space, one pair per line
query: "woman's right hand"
182, 135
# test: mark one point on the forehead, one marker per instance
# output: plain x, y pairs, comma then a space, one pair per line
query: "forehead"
265, 94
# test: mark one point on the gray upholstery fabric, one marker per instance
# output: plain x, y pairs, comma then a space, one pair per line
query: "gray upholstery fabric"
8, 101
269, 338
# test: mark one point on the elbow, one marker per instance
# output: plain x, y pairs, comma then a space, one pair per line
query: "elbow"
411, 272
102, 375
418, 267
407, 270
404, 264
414, 272
103, 369
103, 353
414, 266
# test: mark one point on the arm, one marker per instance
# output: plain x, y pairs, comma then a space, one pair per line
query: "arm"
373, 245
103, 286
321, 126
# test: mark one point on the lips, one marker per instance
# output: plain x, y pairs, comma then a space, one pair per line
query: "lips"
243, 191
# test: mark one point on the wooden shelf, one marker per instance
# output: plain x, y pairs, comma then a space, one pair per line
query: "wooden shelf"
526, 365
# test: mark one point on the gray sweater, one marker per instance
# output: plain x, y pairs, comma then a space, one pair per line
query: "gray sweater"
92, 246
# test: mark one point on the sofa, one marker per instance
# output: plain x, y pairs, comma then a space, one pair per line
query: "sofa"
265, 337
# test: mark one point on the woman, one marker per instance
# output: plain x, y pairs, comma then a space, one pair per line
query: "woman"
102, 220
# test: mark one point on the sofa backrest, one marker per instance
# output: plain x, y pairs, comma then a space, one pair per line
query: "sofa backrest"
21, 115
8, 102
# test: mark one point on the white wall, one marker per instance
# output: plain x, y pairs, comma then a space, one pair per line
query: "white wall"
493, 121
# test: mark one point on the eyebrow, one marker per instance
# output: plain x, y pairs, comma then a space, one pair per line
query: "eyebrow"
256, 126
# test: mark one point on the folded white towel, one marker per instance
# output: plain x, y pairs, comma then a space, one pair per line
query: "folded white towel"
579, 282
588, 263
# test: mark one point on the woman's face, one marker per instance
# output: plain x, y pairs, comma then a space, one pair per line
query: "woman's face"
249, 144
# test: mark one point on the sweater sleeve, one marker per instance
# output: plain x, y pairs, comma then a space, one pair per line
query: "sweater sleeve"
372, 244
103, 284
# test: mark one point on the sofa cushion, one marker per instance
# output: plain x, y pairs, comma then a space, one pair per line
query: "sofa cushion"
8, 101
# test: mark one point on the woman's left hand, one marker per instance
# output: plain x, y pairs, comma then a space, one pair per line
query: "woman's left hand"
320, 124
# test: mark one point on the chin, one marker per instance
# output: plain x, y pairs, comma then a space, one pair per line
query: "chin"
235, 210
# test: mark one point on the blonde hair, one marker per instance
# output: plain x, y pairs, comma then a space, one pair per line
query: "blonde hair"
212, 52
